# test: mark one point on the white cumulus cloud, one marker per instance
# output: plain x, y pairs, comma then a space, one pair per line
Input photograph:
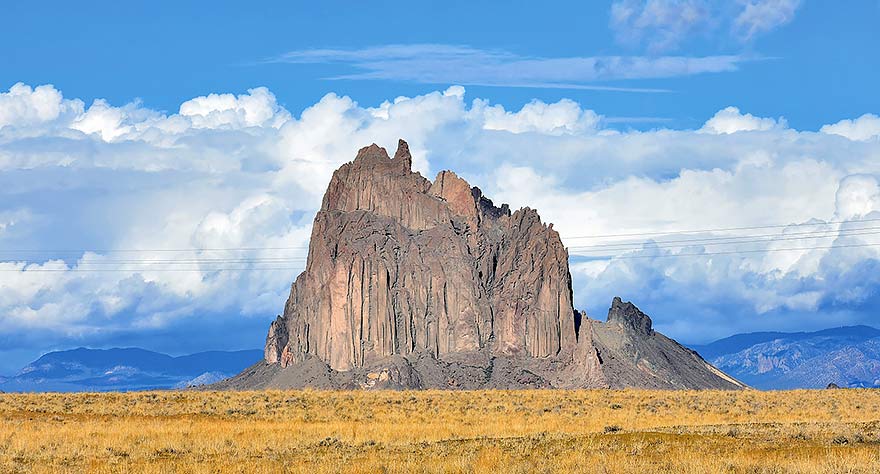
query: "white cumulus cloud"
24, 106
857, 196
731, 120
236, 179
563, 117
255, 109
866, 127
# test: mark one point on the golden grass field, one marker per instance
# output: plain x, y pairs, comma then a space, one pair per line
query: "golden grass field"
433, 431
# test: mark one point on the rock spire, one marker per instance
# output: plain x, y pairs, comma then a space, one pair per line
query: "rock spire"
412, 283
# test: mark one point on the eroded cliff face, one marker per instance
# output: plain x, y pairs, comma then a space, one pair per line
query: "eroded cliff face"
399, 265
417, 284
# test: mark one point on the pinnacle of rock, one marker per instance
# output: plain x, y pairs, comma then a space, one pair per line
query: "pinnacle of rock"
627, 316
374, 152
402, 155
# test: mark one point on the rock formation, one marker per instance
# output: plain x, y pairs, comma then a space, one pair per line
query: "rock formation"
632, 354
414, 284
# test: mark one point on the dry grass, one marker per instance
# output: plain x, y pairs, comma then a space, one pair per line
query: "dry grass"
432, 431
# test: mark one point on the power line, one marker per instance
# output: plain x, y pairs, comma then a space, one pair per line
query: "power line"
602, 257
619, 247
129, 270
594, 236
731, 252
724, 240
216, 263
103, 251
700, 239
306, 247
722, 229
193, 261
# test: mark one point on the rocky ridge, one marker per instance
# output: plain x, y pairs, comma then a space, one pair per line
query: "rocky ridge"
844, 356
411, 283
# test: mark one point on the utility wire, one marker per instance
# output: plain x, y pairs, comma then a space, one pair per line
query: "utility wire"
104, 251
192, 261
620, 247
731, 252
600, 257
720, 241
594, 236
128, 270
722, 229
216, 263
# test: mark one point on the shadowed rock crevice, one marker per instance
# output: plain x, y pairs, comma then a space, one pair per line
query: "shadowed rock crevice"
432, 285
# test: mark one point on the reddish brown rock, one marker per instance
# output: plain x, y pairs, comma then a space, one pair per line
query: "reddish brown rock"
433, 285
399, 265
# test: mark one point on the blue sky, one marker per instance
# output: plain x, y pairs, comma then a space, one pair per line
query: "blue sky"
138, 130
818, 67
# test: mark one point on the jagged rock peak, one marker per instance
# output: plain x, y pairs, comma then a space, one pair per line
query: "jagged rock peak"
629, 317
373, 151
455, 191
375, 154
402, 154
487, 206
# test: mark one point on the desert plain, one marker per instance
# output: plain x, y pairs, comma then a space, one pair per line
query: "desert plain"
601, 431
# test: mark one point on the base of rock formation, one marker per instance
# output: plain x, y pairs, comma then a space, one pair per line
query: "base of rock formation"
630, 354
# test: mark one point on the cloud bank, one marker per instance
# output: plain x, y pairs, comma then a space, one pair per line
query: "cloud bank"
119, 220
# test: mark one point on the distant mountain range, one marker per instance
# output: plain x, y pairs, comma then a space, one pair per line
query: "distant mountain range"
125, 369
846, 356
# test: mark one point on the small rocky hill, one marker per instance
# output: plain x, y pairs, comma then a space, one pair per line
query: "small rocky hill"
632, 354
412, 283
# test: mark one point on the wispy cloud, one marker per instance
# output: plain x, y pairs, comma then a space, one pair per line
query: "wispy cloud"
465, 65
762, 16
663, 25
